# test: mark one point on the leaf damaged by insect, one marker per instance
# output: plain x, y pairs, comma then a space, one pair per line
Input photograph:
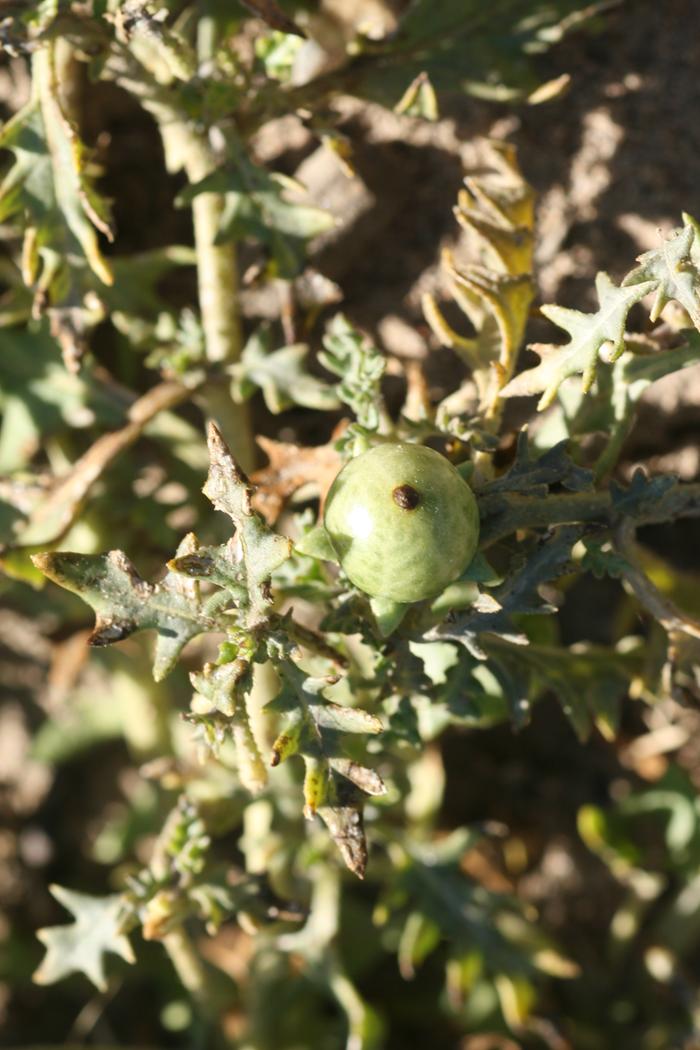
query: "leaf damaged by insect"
335, 786
123, 602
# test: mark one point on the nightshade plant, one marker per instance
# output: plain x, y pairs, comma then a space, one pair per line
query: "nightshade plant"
318, 699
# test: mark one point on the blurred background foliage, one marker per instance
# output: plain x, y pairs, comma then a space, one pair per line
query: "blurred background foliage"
526, 889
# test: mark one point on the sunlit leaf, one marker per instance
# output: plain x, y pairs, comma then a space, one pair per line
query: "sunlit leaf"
256, 208
48, 186
334, 784
348, 354
589, 334
262, 549
670, 272
81, 946
495, 289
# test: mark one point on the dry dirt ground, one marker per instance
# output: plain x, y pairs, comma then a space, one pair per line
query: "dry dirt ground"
614, 162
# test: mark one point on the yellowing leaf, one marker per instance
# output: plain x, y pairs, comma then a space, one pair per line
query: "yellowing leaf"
419, 99
48, 186
506, 297
497, 210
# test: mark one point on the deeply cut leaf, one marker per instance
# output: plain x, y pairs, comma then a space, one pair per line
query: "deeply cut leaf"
531, 474
348, 354
588, 682
80, 947
313, 729
292, 467
281, 376
674, 274
495, 293
262, 549
492, 613
589, 334
124, 602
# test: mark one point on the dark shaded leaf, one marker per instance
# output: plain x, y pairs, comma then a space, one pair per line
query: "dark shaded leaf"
519, 594
641, 494
461, 46
529, 473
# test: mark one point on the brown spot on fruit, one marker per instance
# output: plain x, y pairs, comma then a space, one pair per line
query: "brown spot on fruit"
406, 497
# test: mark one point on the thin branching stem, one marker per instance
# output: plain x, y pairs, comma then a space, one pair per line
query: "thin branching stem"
504, 515
657, 604
191, 970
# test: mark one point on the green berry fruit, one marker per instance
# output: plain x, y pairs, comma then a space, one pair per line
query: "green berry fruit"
402, 521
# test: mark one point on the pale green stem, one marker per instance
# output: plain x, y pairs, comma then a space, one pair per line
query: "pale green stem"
206, 38
147, 712
319, 935
503, 515
188, 964
217, 273
67, 77
266, 685
355, 1009
613, 447
190, 969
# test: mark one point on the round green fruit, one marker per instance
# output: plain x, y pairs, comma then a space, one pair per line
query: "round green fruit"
402, 521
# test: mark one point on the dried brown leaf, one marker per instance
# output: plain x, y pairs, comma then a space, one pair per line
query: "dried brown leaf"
291, 467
